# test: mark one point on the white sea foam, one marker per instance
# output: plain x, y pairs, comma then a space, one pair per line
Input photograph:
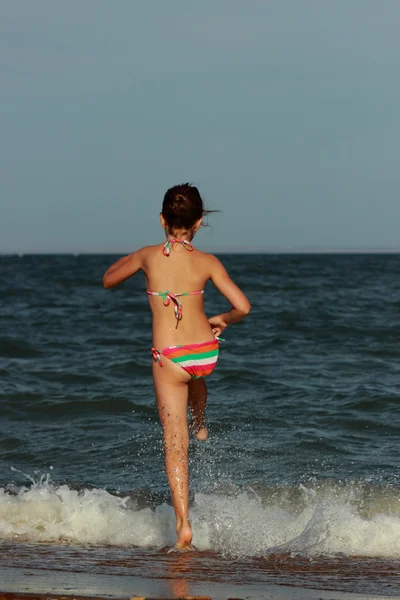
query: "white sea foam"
330, 520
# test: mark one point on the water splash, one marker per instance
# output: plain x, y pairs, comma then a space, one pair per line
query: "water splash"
326, 518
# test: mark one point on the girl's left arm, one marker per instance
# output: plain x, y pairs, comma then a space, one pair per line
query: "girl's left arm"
124, 268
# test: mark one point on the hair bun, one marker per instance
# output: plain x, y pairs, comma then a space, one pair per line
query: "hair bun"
179, 206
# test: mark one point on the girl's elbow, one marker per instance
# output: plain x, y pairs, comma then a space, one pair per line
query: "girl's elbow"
247, 309
107, 283
244, 309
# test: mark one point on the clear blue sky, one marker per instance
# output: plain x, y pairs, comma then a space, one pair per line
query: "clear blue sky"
285, 113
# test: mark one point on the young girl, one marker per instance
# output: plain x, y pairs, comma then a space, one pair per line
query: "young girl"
185, 342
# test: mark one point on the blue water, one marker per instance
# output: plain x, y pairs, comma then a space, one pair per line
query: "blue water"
304, 420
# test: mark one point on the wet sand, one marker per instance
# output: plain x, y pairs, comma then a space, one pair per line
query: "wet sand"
55, 571
35, 584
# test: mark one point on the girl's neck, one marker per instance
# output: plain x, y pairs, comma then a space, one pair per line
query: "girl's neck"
186, 236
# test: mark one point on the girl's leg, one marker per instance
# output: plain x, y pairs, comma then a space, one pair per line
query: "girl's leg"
170, 384
197, 404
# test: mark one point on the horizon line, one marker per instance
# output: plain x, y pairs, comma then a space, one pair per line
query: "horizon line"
217, 250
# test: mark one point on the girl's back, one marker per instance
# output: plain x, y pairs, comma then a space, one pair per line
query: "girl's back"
178, 280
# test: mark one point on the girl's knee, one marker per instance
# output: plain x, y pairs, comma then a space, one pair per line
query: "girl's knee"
176, 438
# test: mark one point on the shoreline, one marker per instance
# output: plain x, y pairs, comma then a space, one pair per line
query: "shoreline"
41, 584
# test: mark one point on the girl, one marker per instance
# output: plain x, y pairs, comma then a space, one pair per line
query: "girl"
185, 342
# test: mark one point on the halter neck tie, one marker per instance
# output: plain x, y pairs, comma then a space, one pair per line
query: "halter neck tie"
168, 245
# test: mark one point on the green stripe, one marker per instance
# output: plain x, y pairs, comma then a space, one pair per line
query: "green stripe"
192, 356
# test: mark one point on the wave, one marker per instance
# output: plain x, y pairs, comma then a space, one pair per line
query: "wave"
327, 518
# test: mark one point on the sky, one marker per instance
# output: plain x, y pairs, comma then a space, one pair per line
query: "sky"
284, 113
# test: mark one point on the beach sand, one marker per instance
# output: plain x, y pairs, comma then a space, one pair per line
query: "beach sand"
42, 570
32, 584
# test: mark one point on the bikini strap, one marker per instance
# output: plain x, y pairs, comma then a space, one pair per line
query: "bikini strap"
167, 298
157, 356
168, 245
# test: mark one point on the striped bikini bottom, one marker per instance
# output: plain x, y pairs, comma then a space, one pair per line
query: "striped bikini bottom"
198, 360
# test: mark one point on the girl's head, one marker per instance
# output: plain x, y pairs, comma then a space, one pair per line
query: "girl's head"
182, 210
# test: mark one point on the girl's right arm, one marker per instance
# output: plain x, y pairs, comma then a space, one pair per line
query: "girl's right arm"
240, 304
124, 268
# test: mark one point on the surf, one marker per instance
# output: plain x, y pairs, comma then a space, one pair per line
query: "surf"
321, 518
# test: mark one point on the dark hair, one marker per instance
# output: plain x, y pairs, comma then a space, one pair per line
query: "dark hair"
183, 206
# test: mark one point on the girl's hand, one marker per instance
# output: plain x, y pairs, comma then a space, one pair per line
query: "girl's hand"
218, 324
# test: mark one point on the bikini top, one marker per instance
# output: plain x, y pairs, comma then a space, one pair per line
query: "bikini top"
168, 296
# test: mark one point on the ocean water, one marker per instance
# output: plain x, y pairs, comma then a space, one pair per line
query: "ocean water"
299, 480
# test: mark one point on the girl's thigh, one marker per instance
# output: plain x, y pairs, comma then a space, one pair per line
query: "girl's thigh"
171, 389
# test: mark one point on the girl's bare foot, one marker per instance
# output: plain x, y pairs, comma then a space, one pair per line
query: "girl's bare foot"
200, 433
184, 533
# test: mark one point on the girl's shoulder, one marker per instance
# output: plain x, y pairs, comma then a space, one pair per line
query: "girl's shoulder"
148, 250
208, 263
145, 255
207, 256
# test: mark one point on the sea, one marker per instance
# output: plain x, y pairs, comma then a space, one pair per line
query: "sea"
299, 482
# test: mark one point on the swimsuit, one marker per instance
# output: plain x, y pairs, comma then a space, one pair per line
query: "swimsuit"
167, 297
198, 360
